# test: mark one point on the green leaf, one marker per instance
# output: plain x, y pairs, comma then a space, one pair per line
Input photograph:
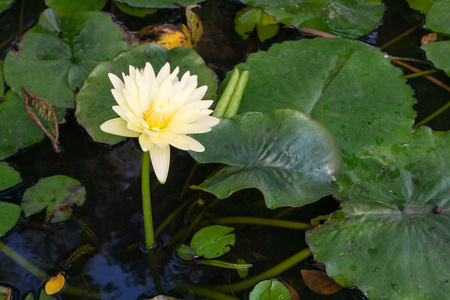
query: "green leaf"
347, 18
17, 130
57, 193
57, 54
422, 5
289, 157
438, 52
362, 106
438, 16
247, 19
64, 6
4, 4
8, 176
2, 91
9, 215
157, 3
393, 243
212, 241
270, 289
134, 11
94, 101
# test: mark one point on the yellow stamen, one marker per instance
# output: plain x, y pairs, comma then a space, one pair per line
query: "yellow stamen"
156, 115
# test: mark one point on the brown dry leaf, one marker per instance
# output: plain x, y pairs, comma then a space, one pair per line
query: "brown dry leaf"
429, 38
167, 35
42, 113
294, 295
319, 282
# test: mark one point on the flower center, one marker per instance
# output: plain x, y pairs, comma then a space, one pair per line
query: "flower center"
156, 115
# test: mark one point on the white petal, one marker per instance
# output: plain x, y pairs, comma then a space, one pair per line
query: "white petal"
160, 158
118, 126
120, 99
160, 141
185, 142
146, 142
116, 82
198, 94
163, 73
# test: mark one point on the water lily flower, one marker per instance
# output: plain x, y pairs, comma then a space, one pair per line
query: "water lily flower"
161, 111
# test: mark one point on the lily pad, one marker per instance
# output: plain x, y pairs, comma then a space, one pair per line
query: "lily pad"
8, 176
157, 3
4, 4
95, 100
437, 52
346, 18
438, 16
270, 289
290, 158
422, 5
57, 193
64, 6
212, 241
393, 243
9, 215
17, 130
56, 56
338, 90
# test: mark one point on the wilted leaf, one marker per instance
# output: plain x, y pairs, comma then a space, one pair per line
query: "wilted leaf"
320, 283
212, 241
429, 38
194, 24
55, 284
167, 35
5, 293
43, 115
57, 193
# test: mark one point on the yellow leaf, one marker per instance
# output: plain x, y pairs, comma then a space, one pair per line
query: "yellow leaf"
167, 35
194, 23
55, 284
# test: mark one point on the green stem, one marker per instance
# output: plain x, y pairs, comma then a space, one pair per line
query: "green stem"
433, 115
419, 74
223, 264
23, 262
237, 95
261, 221
166, 222
201, 291
222, 104
273, 272
146, 201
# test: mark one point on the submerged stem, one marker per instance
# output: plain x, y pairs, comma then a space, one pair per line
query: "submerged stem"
275, 271
262, 221
146, 201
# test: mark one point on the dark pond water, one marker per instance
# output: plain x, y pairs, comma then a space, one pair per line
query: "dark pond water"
111, 220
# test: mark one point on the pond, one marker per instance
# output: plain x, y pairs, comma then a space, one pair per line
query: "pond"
365, 149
